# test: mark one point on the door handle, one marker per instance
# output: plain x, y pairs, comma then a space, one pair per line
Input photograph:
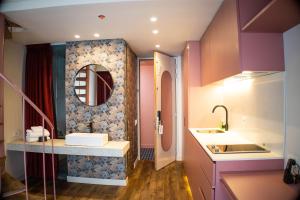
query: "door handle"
158, 120
159, 115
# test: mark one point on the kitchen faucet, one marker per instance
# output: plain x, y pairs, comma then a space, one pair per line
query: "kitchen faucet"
225, 126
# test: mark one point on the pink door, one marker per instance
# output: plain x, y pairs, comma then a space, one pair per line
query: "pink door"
165, 130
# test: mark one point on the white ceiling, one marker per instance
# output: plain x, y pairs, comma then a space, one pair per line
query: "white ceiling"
59, 20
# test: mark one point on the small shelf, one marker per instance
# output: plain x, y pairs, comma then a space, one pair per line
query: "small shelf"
277, 17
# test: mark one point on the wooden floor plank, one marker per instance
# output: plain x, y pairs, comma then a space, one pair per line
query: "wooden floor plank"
145, 183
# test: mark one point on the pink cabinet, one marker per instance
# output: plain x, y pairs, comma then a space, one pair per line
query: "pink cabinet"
242, 166
191, 78
219, 53
204, 174
259, 185
227, 51
266, 17
199, 169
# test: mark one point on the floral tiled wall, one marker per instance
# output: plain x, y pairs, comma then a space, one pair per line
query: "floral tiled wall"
109, 117
131, 106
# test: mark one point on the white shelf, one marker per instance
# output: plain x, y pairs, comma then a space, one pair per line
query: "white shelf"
111, 149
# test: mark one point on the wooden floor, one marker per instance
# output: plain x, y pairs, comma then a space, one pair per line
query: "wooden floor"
145, 183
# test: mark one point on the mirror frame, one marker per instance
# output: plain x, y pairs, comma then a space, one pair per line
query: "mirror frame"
113, 87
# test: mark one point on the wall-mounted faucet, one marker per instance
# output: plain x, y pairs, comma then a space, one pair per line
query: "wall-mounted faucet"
90, 127
225, 126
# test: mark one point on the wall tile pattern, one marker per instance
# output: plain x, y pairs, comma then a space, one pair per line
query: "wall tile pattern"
107, 118
131, 102
96, 167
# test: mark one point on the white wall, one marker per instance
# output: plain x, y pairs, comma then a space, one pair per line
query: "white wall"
256, 108
13, 68
179, 111
292, 66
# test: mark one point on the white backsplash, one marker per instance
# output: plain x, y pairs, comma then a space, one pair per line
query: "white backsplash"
256, 108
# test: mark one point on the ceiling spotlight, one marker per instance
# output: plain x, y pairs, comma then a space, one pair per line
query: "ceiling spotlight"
153, 19
77, 36
155, 31
157, 46
96, 35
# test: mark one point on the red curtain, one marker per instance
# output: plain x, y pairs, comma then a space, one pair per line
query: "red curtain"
38, 87
103, 92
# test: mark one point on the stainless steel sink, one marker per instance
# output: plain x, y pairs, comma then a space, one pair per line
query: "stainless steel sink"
236, 148
210, 131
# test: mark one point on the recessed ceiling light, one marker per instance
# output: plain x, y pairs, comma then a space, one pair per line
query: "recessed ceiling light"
155, 31
77, 36
153, 19
157, 46
96, 35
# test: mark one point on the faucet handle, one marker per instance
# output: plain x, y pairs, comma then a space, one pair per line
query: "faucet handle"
224, 126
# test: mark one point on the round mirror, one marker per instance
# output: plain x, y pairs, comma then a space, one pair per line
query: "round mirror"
93, 85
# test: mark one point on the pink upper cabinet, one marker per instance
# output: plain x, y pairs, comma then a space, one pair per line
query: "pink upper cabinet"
219, 47
249, 8
273, 16
227, 51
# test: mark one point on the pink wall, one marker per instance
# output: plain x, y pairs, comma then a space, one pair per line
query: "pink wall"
147, 103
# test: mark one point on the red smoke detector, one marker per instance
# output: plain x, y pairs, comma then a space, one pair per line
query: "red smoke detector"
101, 17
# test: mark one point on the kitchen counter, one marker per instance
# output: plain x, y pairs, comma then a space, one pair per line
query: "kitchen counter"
111, 149
229, 138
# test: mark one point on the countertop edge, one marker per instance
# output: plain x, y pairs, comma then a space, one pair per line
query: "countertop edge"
108, 150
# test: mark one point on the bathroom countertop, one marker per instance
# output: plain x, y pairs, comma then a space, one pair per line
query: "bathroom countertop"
111, 149
229, 138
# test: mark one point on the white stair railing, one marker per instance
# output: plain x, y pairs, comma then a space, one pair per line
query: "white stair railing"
25, 100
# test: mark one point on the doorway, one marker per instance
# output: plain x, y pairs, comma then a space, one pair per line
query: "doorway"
157, 109
147, 129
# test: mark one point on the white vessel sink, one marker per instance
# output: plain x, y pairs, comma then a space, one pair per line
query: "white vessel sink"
87, 139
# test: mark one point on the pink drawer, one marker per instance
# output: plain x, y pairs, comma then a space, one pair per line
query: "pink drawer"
207, 165
205, 187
